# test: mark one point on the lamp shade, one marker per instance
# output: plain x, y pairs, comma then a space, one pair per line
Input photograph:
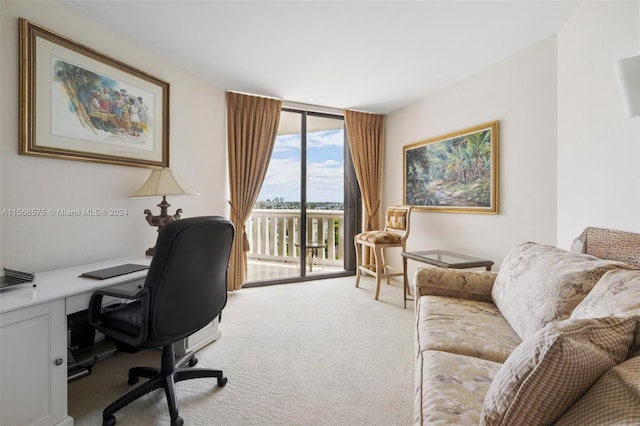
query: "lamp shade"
164, 182
628, 70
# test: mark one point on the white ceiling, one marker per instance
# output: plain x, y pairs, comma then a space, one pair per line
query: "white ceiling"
375, 56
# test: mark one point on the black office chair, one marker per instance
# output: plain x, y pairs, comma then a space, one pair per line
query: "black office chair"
185, 289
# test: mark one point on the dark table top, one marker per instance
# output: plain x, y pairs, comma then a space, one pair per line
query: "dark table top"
447, 259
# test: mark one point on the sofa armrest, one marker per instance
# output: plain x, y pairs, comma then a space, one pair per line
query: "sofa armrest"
471, 285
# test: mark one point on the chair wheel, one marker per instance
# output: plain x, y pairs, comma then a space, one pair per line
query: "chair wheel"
193, 361
109, 421
222, 381
133, 379
177, 422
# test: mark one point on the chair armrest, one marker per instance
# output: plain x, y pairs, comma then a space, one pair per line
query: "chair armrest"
95, 303
471, 285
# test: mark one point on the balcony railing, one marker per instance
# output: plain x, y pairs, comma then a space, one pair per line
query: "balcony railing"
274, 234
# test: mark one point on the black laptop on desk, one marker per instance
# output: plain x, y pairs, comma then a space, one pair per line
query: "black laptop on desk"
114, 271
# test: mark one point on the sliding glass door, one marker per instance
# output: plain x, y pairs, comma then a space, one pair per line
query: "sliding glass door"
300, 227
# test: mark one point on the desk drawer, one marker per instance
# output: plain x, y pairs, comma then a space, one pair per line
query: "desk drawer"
80, 302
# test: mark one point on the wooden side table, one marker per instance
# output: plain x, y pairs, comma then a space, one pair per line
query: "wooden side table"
442, 259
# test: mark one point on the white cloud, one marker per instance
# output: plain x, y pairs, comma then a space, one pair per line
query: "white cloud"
323, 139
287, 143
324, 181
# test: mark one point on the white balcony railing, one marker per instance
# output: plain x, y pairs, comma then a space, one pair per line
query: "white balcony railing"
273, 234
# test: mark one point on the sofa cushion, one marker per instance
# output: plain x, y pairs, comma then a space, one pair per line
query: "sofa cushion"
538, 284
551, 370
464, 327
450, 388
473, 285
613, 399
616, 294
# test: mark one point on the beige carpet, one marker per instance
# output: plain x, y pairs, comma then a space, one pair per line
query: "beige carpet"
314, 353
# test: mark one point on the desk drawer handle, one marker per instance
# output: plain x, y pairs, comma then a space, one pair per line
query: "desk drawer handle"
59, 361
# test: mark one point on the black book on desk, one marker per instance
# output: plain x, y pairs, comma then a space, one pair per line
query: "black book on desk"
114, 271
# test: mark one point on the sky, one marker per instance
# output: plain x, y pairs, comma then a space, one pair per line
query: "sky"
325, 163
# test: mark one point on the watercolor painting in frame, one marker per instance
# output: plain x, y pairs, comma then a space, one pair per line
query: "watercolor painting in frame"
79, 104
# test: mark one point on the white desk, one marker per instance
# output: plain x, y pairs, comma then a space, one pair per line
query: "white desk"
33, 340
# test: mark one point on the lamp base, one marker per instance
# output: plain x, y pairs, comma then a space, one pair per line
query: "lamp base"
160, 220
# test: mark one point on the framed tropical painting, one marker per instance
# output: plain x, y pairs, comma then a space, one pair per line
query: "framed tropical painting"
79, 104
457, 172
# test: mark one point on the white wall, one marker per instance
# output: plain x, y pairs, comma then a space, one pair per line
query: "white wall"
520, 92
197, 138
598, 146
593, 168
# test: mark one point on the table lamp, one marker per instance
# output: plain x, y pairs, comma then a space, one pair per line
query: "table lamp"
163, 182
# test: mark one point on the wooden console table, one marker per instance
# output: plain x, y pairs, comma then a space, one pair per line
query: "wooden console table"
442, 259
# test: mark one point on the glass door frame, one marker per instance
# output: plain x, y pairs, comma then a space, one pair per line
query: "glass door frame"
352, 207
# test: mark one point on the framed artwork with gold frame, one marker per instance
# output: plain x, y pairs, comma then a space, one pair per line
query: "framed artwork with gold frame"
456, 172
80, 104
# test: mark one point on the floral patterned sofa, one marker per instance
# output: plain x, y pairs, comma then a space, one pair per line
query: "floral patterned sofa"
552, 338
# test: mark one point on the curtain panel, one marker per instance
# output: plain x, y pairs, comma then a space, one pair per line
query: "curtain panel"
252, 126
366, 142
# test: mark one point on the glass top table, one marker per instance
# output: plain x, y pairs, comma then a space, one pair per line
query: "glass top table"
443, 259
312, 252
448, 259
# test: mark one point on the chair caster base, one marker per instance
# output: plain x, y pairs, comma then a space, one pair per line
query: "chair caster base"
222, 381
177, 421
109, 421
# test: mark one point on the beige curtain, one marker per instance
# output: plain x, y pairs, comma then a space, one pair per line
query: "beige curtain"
366, 142
252, 125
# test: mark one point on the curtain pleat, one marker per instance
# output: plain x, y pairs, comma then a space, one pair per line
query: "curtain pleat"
252, 125
366, 142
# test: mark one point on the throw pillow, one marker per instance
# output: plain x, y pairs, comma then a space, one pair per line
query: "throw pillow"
548, 372
538, 284
616, 294
613, 400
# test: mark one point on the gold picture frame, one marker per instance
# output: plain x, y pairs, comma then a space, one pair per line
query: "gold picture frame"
456, 172
79, 104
